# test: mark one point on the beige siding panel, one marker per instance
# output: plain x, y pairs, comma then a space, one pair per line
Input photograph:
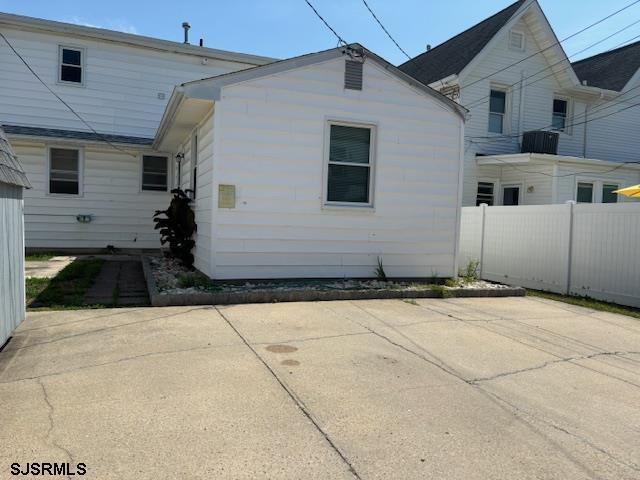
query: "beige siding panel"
271, 140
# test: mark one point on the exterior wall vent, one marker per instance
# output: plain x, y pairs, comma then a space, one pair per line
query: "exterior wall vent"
353, 75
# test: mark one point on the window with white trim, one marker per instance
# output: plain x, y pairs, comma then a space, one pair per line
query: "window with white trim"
516, 40
71, 65
485, 193
349, 164
497, 110
560, 114
584, 192
155, 173
607, 193
64, 171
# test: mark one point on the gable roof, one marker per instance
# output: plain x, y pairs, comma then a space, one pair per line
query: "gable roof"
610, 70
452, 56
209, 89
32, 23
11, 171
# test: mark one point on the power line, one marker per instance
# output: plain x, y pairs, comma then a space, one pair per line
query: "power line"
99, 135
341, 40
553, 45
385, 30
519, 85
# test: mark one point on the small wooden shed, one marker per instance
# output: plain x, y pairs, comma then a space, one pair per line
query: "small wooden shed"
12, 289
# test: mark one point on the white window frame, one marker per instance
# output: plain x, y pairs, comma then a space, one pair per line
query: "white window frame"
598, 185
83, 70
601, 189
520, 186
373, 127
141, 175
594, 189
80, 171
496, 189
568, 130
522, 47
506, 118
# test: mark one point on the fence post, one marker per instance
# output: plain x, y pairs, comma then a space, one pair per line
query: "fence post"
570, 204
483, 206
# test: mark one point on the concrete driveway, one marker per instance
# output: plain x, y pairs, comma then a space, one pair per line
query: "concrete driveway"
518, 388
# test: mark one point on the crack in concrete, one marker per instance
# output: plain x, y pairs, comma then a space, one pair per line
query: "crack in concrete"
80, 320
296, 399
100, 330
311, 339
120, 360
546, 364
49, 436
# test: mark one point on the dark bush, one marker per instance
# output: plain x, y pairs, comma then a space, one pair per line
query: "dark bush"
177, 225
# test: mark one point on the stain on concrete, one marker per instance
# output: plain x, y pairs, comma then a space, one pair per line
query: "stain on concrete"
290, 363
281, 349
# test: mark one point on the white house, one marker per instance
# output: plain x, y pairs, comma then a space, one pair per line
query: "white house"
12, 295
514, 77
317, 166
93, 189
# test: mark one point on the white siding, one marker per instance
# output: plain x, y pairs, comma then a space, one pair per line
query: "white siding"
12, 306
569, 174
269, 143
111, 192
120, 92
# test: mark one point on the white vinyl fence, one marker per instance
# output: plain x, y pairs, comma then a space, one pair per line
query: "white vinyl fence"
583, 249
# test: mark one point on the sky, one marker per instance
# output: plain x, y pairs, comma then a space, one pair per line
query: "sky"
286, 28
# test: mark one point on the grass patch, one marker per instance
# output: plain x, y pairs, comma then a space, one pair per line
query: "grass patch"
410, 301
65, 290
587, 303
40, 256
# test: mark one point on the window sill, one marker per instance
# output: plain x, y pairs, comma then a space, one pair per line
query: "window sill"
341, 207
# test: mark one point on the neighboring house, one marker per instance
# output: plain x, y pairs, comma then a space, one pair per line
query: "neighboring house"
92, 189
317, 166
12, 295
514, 77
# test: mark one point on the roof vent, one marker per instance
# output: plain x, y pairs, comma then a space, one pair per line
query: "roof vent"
352, 75
428, 47
186, 27
584, 82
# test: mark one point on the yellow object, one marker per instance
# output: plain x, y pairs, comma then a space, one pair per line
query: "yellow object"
226, 196
633, 192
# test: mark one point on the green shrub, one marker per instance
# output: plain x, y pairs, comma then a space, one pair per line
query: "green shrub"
380, 273
470, 272
177, 227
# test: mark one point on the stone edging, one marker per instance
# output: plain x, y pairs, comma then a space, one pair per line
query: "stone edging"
304, 295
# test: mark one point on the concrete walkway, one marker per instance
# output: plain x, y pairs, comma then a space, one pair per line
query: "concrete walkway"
513, 388
46, 268
120, 282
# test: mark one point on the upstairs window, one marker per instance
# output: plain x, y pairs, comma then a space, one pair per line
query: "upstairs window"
71, 65
64, 171
349, 175
560, 109
516, 41
485, 193
154, 173
497, 110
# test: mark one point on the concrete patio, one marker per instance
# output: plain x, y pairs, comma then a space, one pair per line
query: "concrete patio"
483, 388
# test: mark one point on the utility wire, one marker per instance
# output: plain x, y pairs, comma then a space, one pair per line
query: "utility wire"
99, 135
341, 40
385, 30
552, 45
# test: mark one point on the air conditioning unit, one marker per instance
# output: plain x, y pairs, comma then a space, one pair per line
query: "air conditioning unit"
539, 141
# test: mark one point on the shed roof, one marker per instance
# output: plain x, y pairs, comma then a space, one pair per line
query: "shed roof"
75, 135
450, 57
610, 70
11, 171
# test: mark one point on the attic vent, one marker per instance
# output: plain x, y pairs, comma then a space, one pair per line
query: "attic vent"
352, 75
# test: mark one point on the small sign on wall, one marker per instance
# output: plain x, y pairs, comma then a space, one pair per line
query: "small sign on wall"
226, 196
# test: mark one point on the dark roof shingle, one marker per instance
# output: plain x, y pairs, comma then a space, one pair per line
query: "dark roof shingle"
75, 135
11, 171
610, 70
452, 56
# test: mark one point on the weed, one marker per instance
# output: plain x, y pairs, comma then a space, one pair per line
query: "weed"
380, 273
440, 290
410, 301
470, 272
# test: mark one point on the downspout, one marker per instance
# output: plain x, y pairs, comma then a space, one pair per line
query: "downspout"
586, 126
520, 107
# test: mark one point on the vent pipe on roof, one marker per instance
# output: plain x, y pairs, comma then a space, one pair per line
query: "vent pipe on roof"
428, 47
186, 27
202, 42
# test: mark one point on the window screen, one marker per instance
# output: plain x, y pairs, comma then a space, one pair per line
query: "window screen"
584, 193
154, 173
497, 109
607, 193
64, 171
560, 108
70, 65
349, 164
